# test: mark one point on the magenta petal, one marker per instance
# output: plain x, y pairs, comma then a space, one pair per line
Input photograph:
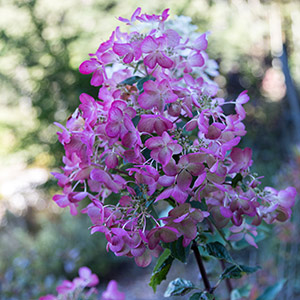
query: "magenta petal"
113, 129
154, 143
184, 180
121, 49
236, 237
148, 101
171, 168
179, 195
97, 78
200, 179
111, 161
166, 180
138, 251
129, 139
164, 61
102, 177
146, 123
164, 155
164, 195
128, 58
226, 212
88, 66
150, 60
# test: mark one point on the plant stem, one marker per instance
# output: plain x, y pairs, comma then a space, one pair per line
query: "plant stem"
227, 280
201, 267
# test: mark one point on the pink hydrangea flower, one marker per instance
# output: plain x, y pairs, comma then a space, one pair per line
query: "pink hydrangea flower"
156, 94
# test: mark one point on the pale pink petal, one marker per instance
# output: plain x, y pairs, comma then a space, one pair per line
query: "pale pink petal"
196, 60
242, 98
112, 292
250, 240
173, 38
148, 45
236, 237
200, 43
84, 272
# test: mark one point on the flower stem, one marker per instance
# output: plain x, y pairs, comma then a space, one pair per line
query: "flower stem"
201, 267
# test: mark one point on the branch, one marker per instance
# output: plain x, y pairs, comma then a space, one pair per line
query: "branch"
201, 267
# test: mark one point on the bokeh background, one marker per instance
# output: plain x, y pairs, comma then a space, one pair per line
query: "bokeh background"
42, 43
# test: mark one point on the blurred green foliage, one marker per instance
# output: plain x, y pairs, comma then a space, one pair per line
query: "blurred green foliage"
32, 265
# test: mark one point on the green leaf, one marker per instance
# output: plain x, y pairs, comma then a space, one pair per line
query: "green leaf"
272, 291
238, 177
237, 271
216, 249
163, 257
177, 250
131, 80
195, 296
202, 296
140, 83
161, 269
179, 287
242, 292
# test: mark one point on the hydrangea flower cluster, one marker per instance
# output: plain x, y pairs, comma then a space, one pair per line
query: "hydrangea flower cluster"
158, 133
76, 289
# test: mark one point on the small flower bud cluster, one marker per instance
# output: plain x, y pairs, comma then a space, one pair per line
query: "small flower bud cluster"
158, 132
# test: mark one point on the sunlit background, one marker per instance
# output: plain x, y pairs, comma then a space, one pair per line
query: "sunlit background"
42, 43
